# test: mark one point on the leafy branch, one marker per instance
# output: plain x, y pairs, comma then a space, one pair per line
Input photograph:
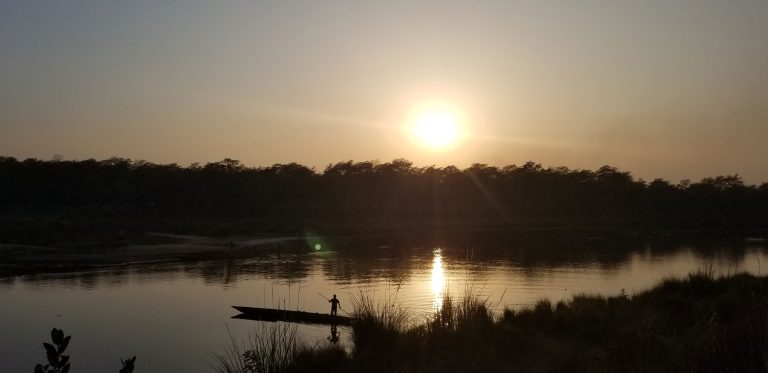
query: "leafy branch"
59, 363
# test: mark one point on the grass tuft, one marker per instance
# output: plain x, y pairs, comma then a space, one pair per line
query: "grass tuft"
272, 348
378, 321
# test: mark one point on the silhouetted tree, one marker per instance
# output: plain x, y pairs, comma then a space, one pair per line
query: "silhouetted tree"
372, 191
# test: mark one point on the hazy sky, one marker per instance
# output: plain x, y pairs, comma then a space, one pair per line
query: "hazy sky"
675, 89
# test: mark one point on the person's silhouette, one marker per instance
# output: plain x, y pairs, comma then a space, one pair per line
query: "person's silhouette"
334, 304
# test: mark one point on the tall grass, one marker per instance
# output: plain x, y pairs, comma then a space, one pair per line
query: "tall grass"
378, 320
272, 348
454, 314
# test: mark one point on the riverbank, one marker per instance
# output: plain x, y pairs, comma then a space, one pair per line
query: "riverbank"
699, 324
18, 259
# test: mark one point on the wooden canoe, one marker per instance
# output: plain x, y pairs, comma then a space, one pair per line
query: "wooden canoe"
271, 314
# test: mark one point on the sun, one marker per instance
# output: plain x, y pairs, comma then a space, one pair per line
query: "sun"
437, 127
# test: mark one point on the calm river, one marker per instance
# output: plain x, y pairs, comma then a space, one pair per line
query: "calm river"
175, 317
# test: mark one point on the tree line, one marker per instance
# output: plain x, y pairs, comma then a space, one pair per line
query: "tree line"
365, 190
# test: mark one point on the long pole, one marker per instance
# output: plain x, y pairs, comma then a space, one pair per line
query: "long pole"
328, 299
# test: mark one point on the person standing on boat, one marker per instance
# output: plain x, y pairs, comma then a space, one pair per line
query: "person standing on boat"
334, 304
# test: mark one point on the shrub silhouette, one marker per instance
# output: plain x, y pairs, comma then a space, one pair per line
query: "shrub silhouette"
57, 361
60, 363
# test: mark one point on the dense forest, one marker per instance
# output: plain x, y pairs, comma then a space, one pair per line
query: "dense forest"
294, 195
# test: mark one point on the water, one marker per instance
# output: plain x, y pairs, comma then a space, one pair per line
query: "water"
176, 316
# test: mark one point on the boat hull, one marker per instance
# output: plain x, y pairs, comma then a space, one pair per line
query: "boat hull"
273, 315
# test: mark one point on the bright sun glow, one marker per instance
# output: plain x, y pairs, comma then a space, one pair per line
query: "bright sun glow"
437, 127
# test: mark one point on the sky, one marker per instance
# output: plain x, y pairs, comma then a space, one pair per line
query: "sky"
674, 89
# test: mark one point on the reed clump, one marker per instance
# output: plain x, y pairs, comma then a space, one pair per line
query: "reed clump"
378, 321
272, 348
468, 311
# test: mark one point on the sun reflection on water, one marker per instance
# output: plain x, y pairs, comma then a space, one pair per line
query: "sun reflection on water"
438, 279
